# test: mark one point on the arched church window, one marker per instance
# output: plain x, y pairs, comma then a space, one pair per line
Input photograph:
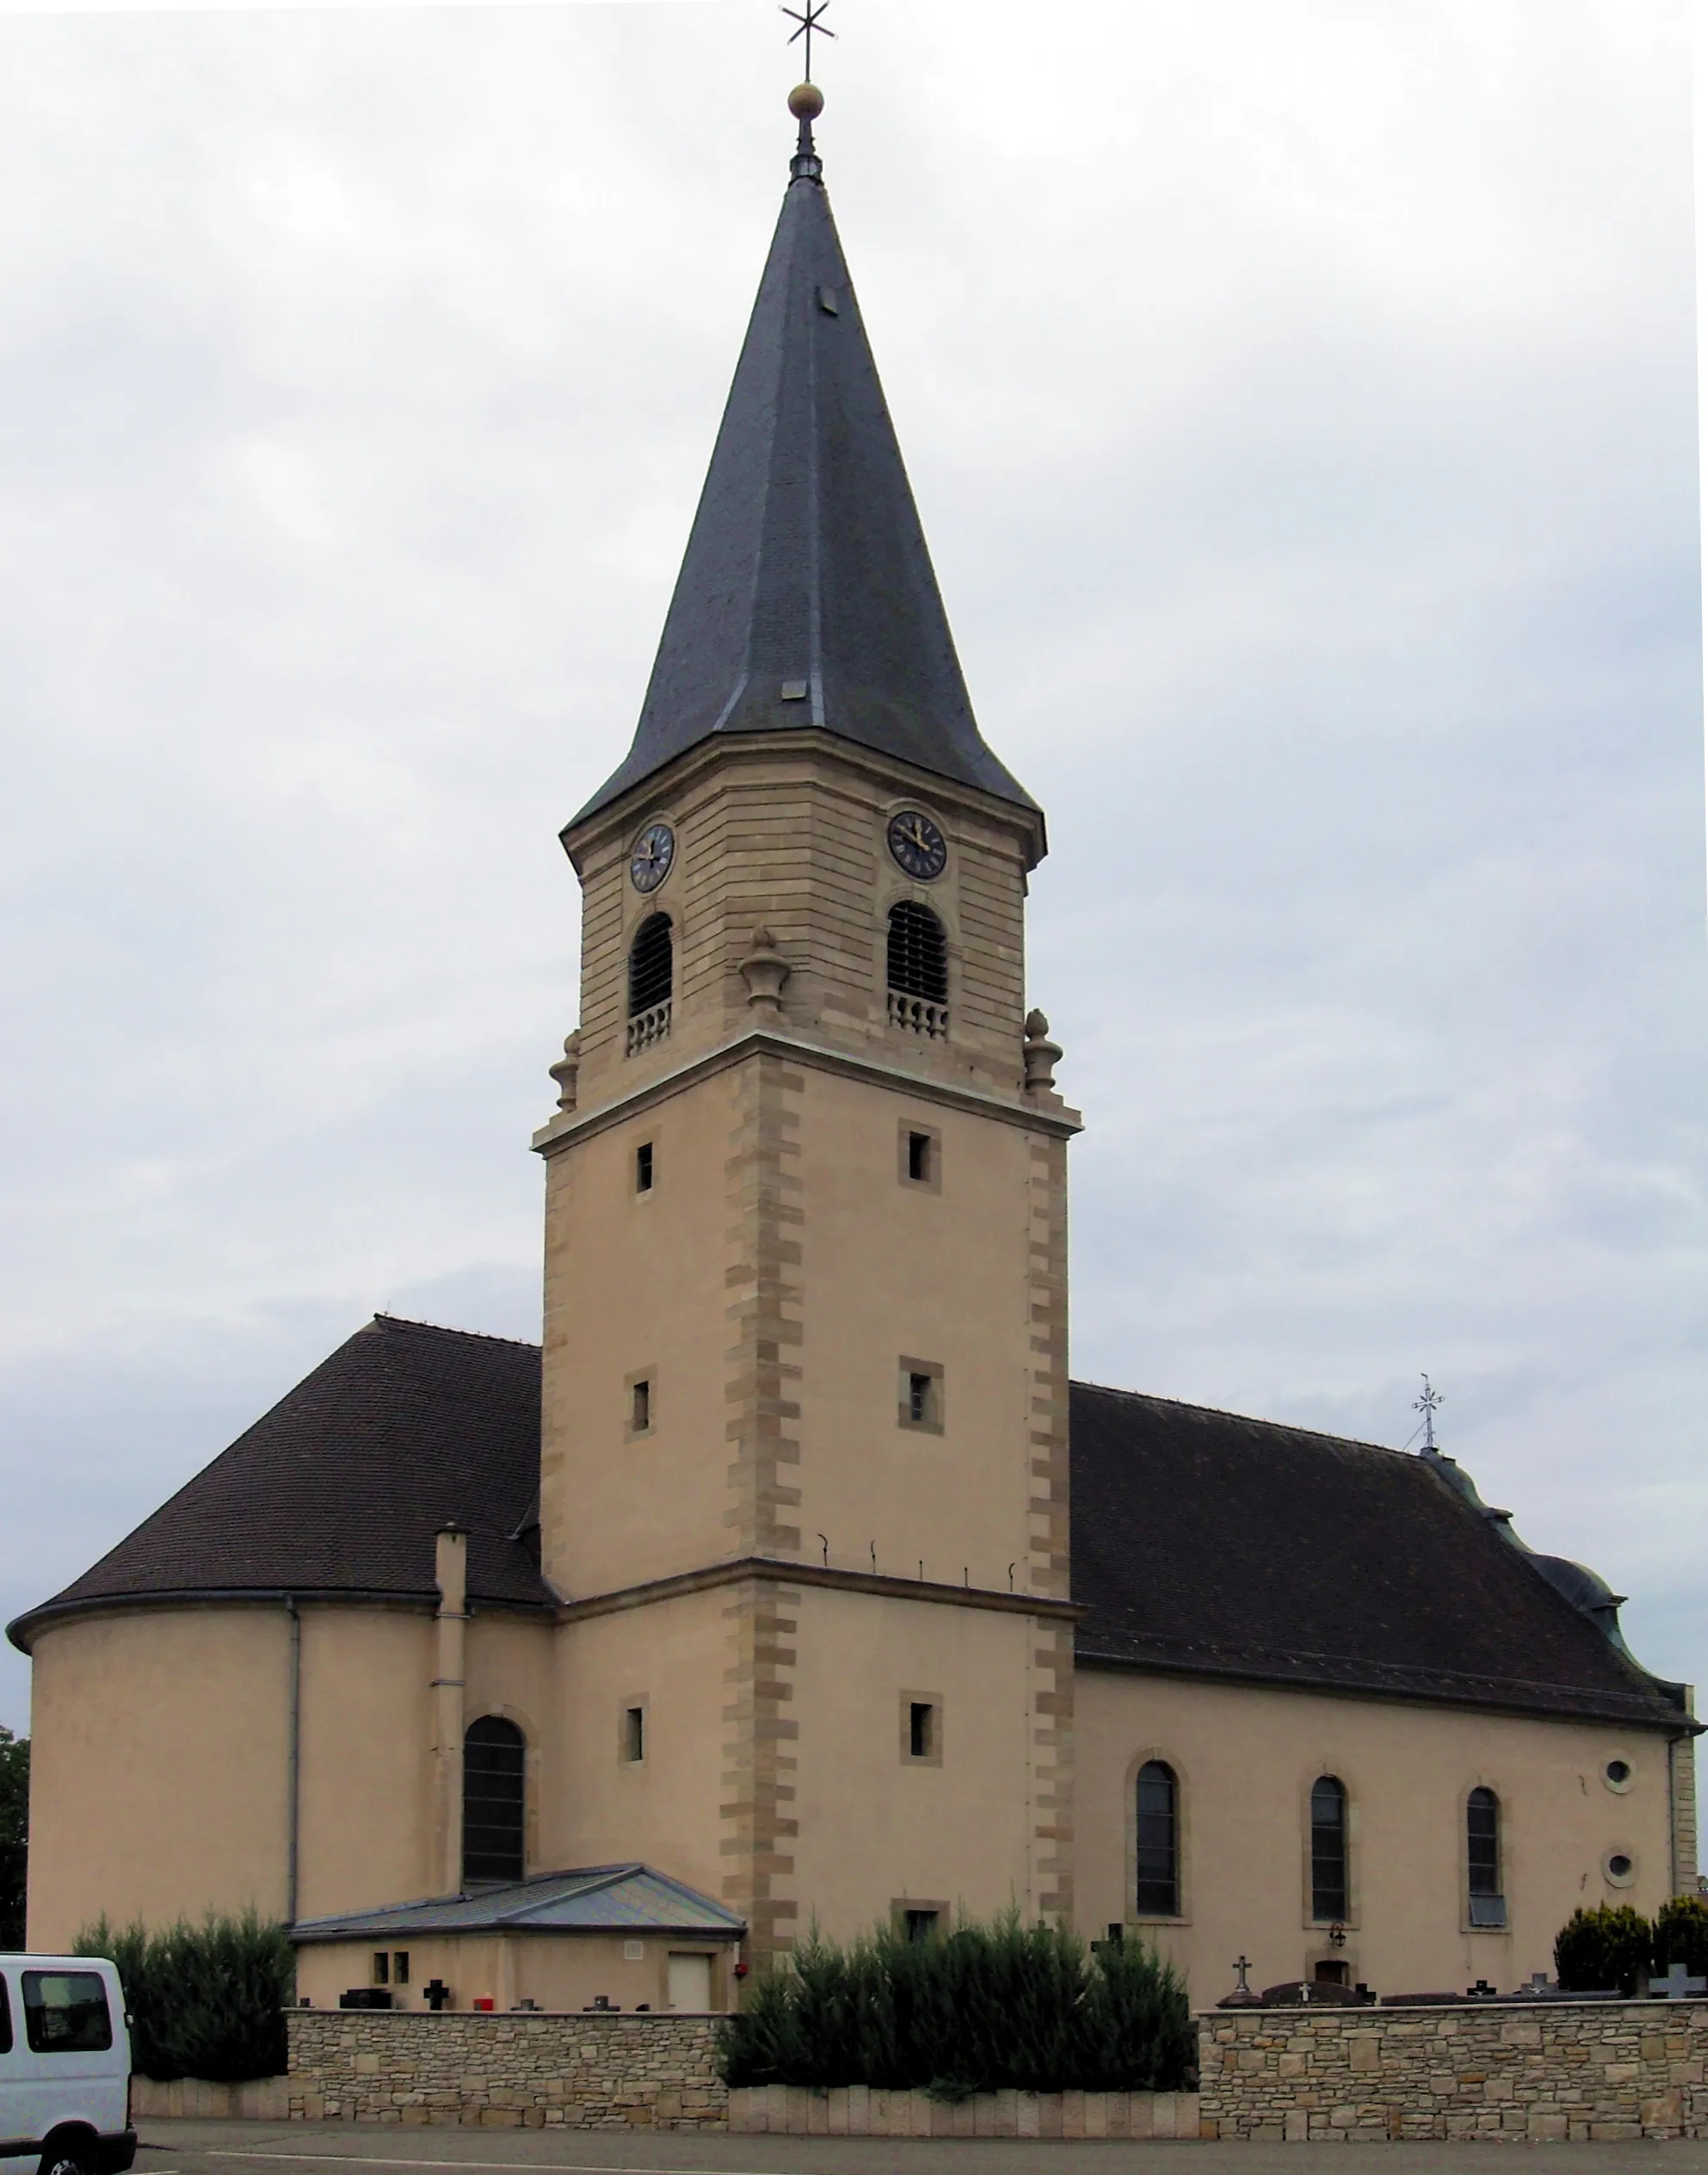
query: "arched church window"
494, 1753
651, 983
1157, 1829
1483, 1858
1328, 1883
917, 970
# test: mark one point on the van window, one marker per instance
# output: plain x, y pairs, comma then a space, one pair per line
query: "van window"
65, 2012
5, 2019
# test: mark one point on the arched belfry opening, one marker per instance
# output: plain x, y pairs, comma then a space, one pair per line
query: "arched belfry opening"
917, 971
495, 1800
652, 973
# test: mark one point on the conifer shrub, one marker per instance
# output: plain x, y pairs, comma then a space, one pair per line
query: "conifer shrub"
206, 2000
986, 2008
1608, 1947
1682, 1936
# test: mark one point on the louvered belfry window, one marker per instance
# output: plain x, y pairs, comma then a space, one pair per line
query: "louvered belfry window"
495, 1755
651, 980
652, 966
919, 959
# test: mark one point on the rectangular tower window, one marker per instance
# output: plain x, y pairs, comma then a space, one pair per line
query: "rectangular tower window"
640, 1406
400, 1968
642, 1167
922, 1396
919, 1160
922, 1729
382, 1967
920, 1925
634, 1733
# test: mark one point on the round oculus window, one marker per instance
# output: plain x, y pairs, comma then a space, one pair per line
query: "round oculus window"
1617, 1775
1619, 1868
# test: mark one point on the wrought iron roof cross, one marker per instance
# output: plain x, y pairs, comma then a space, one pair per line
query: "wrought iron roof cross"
1428, 1404
809, 20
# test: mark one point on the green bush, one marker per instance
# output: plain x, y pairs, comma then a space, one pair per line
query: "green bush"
205, 2001
1610, 1946
14, 1836
988, 2008
1682, 1936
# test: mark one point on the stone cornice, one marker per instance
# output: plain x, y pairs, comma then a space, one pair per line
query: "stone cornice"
770, 1568
573, 1125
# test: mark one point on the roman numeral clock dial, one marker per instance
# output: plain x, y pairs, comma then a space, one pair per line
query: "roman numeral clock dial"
916, 845
650, 863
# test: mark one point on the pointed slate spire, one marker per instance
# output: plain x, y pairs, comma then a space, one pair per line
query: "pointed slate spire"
806, 595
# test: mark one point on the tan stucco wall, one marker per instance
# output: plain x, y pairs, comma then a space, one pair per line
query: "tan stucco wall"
555, 1972
186, 1712
158, 1768
1246, 1758
877, 1828
673, 1659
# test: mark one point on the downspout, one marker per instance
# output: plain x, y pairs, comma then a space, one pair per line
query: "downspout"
450, 1568
291, 1787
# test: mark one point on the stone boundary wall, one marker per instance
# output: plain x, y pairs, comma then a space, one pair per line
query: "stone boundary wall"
795, 2111
503, 2071
1534, 2071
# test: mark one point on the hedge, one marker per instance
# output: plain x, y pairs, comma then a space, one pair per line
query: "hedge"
984, 2008
1614, 1947
205, 2001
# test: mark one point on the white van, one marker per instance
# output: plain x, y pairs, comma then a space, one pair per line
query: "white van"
64, 2066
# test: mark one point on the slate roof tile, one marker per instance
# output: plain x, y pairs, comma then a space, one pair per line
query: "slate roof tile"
1203, 1543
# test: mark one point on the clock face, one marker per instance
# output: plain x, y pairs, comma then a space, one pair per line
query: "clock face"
917, 844
655, 850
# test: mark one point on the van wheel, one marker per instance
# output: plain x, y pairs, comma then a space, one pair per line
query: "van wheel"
68, 2156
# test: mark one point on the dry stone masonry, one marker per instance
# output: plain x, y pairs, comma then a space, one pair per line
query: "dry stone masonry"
510, 2071
1516, 2070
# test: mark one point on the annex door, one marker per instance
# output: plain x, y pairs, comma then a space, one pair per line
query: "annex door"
691, 1983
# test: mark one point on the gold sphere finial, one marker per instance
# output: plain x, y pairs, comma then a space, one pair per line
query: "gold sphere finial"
806, 101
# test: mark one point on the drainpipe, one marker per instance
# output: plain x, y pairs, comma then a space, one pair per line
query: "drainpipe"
292, 1789
450, 1571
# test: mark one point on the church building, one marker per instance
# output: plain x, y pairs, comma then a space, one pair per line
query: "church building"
790, 1578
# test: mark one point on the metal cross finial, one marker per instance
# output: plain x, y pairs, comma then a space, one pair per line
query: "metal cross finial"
1242, 1964
809, 20
1428, 1404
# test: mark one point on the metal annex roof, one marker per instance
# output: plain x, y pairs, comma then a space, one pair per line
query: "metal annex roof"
592, 1899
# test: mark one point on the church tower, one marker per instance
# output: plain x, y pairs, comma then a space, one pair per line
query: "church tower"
803, 1478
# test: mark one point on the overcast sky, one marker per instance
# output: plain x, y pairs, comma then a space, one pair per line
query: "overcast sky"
1301, 402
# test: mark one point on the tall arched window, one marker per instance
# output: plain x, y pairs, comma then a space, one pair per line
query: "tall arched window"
651, 983
494, 1800
1158, 1831
1483, 1858
1328, 1883
917, 970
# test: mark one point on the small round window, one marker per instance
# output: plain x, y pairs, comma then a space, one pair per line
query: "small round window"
1616, 1774
1619, 1868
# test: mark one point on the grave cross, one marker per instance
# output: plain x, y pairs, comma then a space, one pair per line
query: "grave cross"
1678, 1985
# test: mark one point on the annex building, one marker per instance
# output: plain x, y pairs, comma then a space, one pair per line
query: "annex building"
791, 1578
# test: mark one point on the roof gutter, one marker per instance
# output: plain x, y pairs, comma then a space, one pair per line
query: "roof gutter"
23, 1629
